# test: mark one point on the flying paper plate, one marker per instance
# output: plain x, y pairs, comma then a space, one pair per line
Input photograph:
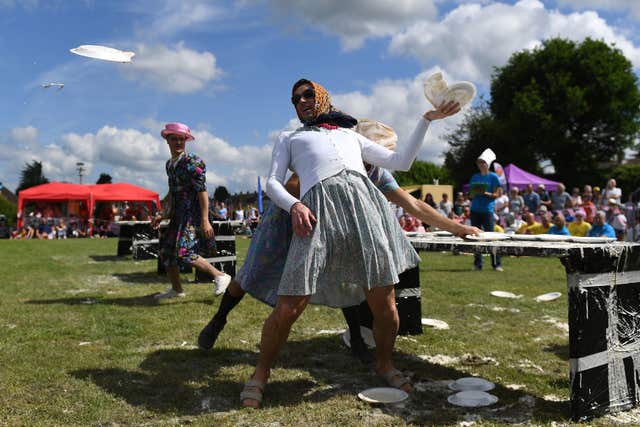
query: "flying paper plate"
383, 395
472, 399
434, 323
471, 383
103, 52
504, 294
437, 91
367, 336
548, 297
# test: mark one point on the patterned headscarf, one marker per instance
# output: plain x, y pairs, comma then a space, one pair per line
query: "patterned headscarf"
323, 111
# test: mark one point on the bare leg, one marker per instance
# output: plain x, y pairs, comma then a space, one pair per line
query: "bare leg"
274, 334
202, 265
174, 276
385, 327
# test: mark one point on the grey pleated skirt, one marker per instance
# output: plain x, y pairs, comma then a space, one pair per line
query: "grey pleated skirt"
356, 244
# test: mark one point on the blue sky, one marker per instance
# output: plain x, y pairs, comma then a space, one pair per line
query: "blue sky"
226, 68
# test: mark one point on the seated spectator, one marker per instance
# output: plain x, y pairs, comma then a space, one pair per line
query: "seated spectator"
497, 228
516, 202
559, 226
445, 205
529, 224
459, 203
45, 230
545, 199
531, 199
618, 221
543, 226
611, 191
428, 199
560, 198
501, 202
589, 208
600, 227
465, 218
579, 227
61, 229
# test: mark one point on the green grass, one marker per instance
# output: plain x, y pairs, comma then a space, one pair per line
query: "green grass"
83, 344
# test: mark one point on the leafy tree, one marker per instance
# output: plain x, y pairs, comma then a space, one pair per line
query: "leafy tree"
31, 176
577, 105
104, 178
421, 173
221, 194
9, 210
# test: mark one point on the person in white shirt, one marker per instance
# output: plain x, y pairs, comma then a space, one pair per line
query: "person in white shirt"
346, 240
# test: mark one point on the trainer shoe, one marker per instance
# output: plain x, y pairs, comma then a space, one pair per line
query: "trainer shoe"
171, 293
498, 268
221, 284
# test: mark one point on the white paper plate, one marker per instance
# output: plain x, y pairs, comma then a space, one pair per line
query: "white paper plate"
437, 91
442, 233
461, 92
552, 237
577, 239
383, 395
504, 294
434, 323
410, 233
367, 336
472, 399
488, 236
527, 237
548, 297
103, 52
471, 383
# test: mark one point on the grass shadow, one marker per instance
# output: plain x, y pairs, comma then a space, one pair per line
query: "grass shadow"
192, 382
111, 258
560, 350
145, 300
140, 277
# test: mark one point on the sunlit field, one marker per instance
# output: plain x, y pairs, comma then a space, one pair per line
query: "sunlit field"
84, 344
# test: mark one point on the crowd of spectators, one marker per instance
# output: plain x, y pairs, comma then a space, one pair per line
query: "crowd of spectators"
592, 212
248, 215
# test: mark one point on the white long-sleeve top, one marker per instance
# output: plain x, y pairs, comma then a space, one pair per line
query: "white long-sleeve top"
317, 153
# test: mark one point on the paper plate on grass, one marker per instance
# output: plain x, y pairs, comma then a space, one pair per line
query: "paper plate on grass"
103, 52
367, 336
434, 323
548, 297
472, 399
471, 383
383, 395
504, 294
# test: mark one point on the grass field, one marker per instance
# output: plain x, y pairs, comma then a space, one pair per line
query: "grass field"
84, 344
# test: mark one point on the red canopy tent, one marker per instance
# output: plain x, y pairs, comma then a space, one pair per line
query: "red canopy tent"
90, 194
53, 192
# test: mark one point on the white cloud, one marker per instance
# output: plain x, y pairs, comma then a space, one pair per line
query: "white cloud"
632, 6
169, 17
356, 20
471, 39
173, 69
131, 155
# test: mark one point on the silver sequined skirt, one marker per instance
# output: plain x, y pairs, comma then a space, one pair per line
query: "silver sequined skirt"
357, 243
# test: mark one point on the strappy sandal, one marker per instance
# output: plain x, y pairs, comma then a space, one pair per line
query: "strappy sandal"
396, 379
253, 390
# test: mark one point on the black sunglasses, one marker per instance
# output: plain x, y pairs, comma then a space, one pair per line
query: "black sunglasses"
309, 93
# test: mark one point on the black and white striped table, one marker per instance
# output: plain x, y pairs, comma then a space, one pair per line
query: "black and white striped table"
603, 290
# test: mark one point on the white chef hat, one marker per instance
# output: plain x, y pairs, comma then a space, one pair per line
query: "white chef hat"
487, 156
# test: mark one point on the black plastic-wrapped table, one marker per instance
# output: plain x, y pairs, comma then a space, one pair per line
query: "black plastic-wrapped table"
603, 291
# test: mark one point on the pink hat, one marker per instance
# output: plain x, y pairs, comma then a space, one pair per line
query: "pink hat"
177, 129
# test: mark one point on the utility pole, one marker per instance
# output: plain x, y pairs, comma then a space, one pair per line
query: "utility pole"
80, 168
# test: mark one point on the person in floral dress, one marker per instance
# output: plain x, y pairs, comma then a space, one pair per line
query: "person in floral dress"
189, 232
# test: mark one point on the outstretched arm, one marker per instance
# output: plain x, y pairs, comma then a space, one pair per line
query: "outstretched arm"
377, 155
427, 214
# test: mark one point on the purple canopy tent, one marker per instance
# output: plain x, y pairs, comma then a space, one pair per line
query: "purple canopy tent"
520, 178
